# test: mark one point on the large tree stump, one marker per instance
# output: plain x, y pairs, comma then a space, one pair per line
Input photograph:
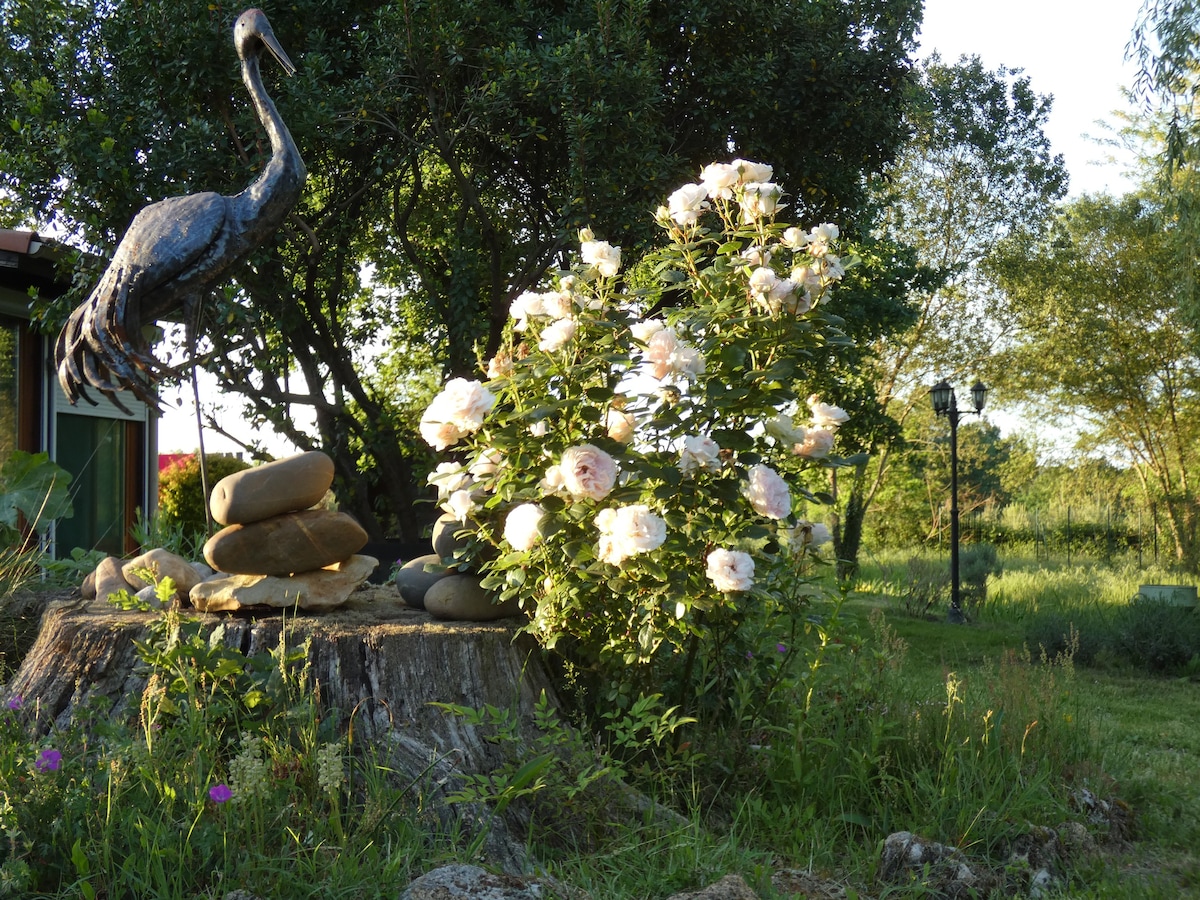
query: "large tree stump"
377, 664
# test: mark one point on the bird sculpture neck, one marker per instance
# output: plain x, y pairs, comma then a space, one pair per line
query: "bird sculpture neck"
265, 203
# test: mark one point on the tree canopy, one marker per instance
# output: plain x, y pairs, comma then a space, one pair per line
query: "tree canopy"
453, 147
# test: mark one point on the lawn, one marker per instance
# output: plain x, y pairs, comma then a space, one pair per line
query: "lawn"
967, 735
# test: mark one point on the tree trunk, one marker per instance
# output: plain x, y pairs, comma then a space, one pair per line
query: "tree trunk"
378, 664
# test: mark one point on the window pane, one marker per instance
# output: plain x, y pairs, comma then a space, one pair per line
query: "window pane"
92, 449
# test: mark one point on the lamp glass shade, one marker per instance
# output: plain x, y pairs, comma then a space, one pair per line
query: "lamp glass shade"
979, 395
940, 395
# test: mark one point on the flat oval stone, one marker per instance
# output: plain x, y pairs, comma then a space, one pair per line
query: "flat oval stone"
286, 485
286, 544
463, 598
445, 544
317, 591
110, 579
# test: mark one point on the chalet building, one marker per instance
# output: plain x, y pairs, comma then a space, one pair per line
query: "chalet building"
111, 455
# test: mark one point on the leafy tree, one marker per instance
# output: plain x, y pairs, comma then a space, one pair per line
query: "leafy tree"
453, 146
1103, 333
977, 168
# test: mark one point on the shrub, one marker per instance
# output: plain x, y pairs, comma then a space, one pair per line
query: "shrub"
977, 563
181, 495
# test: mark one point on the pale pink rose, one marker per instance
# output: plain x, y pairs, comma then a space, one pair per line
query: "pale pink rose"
699, 453
619, 425
456, 412
587, 471
558, 304
659, 349
718, 179
552, 481
627, 531
557, 335
440, 435
825, 415
522, 526
603, 255
816, 444
820, 534
500, 366
686, 204
768, 493
643, 331
752, 171
762, 281
807, 536
730, 570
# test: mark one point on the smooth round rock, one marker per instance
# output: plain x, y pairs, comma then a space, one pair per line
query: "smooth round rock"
463, 598
286, 485
445, 544
161, 564
285, 544
413, 580
110, 579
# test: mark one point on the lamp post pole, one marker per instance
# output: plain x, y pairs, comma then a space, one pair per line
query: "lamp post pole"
946, 404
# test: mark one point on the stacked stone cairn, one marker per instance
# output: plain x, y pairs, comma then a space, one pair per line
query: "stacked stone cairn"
435, 583
275, 551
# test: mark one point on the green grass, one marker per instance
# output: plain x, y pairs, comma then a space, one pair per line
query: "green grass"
965, 734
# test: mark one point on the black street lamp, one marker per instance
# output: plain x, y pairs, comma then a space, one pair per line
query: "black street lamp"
945, 404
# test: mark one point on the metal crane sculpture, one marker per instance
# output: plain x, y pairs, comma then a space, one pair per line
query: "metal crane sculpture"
177, 251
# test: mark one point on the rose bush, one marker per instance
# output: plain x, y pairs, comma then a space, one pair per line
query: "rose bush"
619, 474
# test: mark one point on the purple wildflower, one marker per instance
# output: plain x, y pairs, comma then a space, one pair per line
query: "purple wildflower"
749, 655
15, 702
220, 793
48, 761
781, 648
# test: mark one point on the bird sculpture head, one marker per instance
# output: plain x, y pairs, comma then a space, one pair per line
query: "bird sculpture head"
252, 32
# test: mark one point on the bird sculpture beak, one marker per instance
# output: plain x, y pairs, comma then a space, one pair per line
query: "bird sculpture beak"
268, 39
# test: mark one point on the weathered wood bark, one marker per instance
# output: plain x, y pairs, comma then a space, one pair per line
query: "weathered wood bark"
378, 664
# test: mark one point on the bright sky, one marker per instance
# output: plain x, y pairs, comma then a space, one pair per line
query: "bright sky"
1073, 50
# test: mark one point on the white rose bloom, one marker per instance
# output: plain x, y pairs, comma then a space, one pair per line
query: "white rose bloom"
762, 282
558, 304
500, 366
820, 534
759, 201
522, 526
627, 531
688, 361
794, 238
449, 477
540, 428
557, 335
826, 416
730, 570
486, 463
756, 256
603, 255
552, 481
527, 305
686, 204
768, 493
784, 430
718, 180
699, 452
752, 171
460, 504
643, 331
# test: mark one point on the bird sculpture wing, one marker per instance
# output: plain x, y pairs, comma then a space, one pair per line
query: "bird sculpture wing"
169, 252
